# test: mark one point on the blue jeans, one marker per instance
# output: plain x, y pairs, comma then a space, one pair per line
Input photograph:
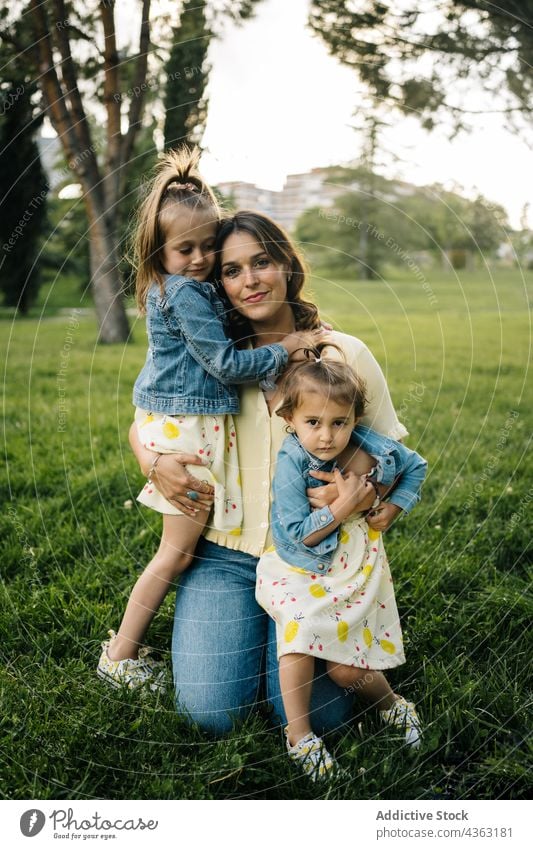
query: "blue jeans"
224, 648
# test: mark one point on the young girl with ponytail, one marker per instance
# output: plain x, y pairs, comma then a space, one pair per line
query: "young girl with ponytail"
326, 581
186, 393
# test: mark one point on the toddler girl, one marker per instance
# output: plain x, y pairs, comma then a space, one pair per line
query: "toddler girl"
326, 581
185, 394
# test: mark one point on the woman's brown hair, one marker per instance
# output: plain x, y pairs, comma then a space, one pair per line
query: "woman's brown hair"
177, 183
278, 245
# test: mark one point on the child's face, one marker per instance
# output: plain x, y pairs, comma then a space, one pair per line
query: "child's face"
189, 244
323, 426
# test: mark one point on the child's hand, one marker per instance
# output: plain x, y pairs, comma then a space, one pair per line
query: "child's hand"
353, 489
296, 343
383, 516
322, 496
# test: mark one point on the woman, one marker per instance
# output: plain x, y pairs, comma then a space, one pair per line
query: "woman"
223, 646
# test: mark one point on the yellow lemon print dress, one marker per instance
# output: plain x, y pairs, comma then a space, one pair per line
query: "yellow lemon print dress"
213, 439
348, 614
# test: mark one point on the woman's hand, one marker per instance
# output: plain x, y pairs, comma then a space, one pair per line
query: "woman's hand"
171, 477
383, 516
354, 490
173, 481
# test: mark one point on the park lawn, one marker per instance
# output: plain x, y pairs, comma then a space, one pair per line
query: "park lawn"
455, 356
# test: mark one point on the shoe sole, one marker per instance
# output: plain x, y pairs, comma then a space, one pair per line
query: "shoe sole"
119, 685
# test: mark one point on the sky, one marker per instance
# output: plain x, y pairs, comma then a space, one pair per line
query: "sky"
280, 104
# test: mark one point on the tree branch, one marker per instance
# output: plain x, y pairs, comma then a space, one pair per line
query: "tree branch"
137, 100
111, 100
51, 87
85, 161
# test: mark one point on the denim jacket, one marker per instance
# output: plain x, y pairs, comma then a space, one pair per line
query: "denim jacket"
292, 517
192, 365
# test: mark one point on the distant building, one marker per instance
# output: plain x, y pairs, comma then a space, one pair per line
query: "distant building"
300, 192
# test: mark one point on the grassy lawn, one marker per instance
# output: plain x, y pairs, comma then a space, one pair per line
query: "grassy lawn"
455, 352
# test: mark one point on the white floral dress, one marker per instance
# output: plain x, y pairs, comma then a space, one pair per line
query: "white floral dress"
213, 439
347, 615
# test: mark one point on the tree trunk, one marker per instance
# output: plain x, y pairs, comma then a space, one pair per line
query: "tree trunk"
105, 282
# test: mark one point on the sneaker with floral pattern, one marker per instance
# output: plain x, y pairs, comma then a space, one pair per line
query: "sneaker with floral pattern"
131, 673
312, 756
404, 716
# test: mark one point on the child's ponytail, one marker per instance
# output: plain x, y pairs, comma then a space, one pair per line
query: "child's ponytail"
335, 380
177, 184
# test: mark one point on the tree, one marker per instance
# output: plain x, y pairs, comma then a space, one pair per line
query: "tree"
404, 219
186, 77
422, 57
23, 186
68, 46
73, 50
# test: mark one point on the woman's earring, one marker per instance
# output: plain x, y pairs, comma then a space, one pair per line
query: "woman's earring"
289, 429
289, 278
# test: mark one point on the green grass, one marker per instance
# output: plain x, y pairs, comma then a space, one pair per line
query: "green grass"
456, 363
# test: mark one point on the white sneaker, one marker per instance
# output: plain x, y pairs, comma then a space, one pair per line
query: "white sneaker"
313, 757
403, 715
131, 673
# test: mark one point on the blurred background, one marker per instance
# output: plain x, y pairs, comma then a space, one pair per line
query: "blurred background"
395, 142
371, 131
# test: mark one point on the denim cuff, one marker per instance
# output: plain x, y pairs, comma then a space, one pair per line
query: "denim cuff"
281, 355
405, 500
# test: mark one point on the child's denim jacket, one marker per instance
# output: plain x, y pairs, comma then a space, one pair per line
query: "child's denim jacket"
292, 517
191, 365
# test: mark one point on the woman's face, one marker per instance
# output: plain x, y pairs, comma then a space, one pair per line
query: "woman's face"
255, 285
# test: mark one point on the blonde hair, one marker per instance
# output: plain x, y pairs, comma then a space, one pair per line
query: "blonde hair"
335, 380
177, 184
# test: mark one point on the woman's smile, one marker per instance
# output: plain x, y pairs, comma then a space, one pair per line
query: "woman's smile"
255, 284
256, 297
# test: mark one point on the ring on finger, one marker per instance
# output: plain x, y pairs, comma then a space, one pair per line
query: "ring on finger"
192, 494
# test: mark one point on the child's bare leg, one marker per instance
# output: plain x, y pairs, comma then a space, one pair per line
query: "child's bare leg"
296, 673
176, 551
373, 686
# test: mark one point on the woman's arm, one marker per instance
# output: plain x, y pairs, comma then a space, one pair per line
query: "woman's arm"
171, 477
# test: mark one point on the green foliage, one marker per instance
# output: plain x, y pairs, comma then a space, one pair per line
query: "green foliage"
461, 563
65, 242
23, 187
186, 77
380, 222
417, 58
